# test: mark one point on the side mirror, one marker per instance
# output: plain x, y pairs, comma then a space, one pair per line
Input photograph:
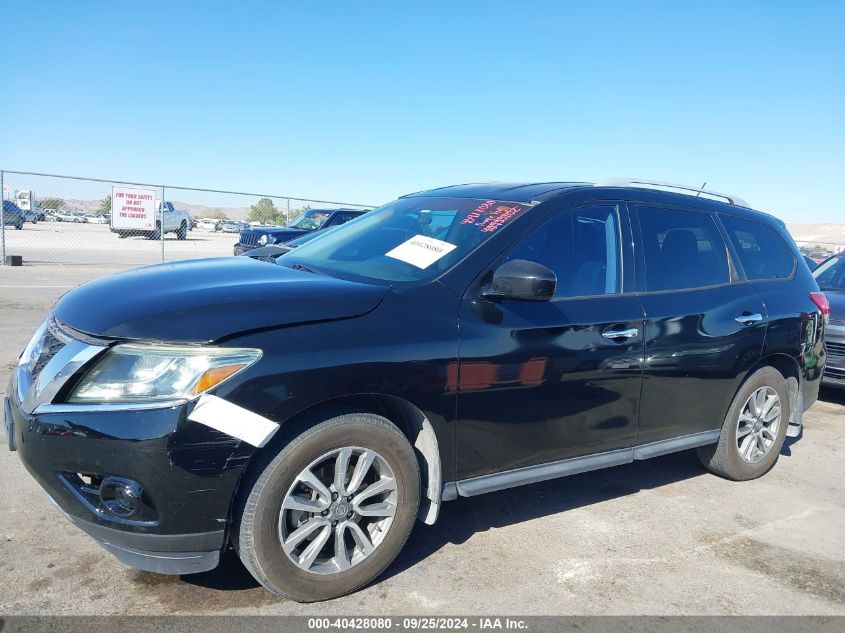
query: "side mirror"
522, 280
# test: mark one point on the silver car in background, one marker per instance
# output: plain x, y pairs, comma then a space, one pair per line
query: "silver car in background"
830, 276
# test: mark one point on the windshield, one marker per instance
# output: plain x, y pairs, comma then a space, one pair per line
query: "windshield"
411, 239
311, 220
831, 274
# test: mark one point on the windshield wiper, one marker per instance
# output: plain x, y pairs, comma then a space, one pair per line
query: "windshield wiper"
301, 267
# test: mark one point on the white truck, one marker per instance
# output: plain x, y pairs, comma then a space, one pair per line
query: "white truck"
168, 220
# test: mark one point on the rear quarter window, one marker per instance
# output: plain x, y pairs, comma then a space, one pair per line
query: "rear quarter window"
764, 254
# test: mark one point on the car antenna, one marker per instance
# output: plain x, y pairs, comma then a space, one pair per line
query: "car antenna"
702, 189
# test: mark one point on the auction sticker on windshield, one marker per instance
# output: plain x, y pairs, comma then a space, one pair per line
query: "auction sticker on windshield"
421, 251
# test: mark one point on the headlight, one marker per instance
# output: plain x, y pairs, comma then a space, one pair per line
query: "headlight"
262, 240
144, 373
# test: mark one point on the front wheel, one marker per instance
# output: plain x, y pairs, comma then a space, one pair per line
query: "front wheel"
754, 428
332, 510
182, 233
19, 226
156, 235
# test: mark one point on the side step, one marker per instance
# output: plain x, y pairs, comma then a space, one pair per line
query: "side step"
543, 472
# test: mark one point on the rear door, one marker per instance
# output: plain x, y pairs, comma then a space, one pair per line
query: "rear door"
705, 327
541, 381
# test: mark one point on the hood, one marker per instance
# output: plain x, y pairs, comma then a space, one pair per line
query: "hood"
208, 299
836, 298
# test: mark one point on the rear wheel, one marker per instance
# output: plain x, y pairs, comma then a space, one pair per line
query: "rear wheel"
754, 429
156, 235
19, 225
331, 511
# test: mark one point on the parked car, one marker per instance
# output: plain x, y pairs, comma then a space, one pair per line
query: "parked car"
96, 219
311, 220
272, 252
168, 220
64, 216
451, 343
207, 224
830, 276
13, 215
30, 216
230, 226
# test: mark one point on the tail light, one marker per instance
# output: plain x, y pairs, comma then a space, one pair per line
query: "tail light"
822, 303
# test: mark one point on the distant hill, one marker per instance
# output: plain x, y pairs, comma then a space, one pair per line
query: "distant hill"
832, 233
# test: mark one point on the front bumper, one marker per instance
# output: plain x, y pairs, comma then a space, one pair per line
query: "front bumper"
240, 249
188, 473
159, 553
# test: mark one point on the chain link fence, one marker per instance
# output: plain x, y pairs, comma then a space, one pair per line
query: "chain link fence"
50, 219
820, 251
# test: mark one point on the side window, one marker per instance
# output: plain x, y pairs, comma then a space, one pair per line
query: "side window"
682, 250
581, 247
763, 253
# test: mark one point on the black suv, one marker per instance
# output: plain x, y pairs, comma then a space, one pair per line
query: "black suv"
451, 343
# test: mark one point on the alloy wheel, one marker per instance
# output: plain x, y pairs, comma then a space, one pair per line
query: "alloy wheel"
758, 424
338, 510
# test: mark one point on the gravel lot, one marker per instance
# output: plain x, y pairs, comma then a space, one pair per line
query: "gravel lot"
653, 537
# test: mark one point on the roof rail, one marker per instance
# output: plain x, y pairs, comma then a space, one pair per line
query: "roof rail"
655, 184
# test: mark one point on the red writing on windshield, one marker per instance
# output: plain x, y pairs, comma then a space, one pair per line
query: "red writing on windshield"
488, 220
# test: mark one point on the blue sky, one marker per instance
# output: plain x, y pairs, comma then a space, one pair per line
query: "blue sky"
365, 101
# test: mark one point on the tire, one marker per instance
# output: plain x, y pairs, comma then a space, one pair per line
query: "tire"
725, 458
260, 514
182, 233
19, 226
156, 235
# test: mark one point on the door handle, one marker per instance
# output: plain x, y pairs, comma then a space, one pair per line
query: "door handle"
749, 319
614, 334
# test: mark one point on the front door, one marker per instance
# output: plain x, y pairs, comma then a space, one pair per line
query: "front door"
541, 381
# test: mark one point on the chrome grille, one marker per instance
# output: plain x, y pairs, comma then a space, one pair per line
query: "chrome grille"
47, 363
248, 238
835, 349
45, 349
834, 372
